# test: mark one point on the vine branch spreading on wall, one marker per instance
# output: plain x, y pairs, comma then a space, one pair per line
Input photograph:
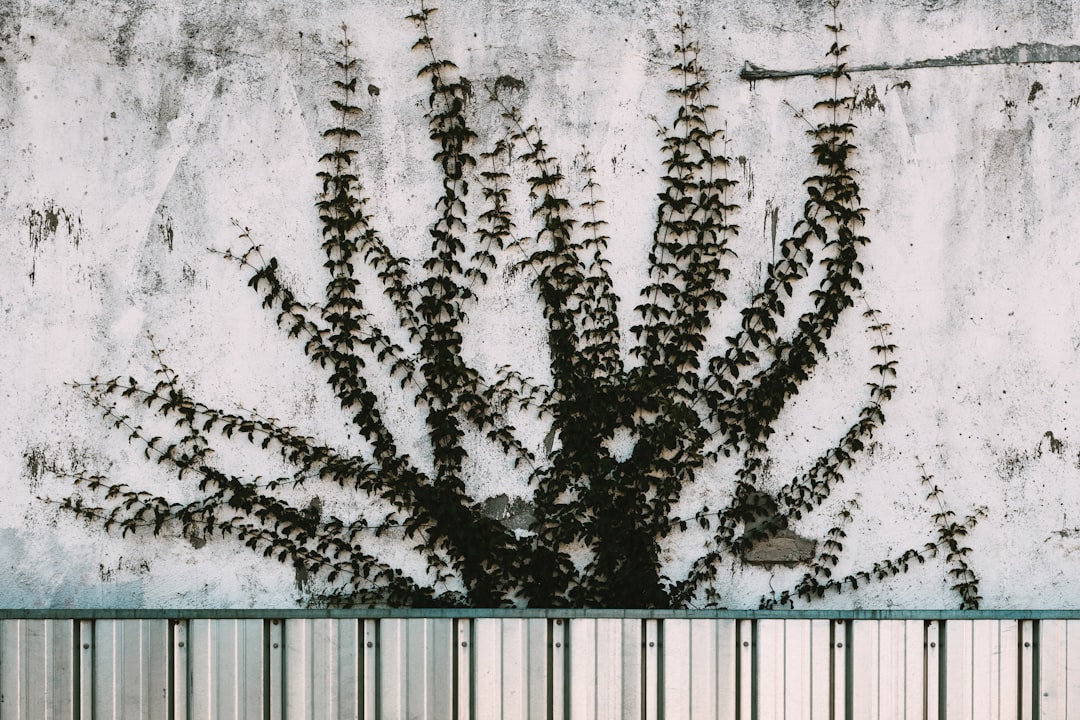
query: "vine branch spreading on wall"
677, 399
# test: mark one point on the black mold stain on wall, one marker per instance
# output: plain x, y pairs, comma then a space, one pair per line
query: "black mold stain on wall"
165, 227
123, 43
43, 226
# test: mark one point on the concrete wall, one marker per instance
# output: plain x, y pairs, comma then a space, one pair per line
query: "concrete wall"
132, 134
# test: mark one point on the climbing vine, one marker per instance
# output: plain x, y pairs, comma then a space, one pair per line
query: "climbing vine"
663, 390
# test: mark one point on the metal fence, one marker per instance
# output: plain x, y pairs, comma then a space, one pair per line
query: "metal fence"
546, 665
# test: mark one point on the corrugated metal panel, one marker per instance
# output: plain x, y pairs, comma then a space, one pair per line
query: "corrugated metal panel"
606, 669
416, 669
794, 669
229, 679
982, 661
38, 669
322, 667
1059, 669
129, 664
700, 658
511, 668
889, 669
526, 668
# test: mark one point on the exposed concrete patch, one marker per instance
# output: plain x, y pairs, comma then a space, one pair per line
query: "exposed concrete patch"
784, 548
516, 514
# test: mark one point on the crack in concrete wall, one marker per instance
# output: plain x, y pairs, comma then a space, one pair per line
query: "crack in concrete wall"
1019, 54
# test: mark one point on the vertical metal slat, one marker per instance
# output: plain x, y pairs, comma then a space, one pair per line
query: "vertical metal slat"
86, 647
820, 671
908, 667
627, 635
181, 669
1007, 654
914, 669
1027, 670
891, 670
840, 650
1072, 668
866, 675
746, 670
770, 669
724, 652
676, 679
463, 648
651, 671
559, 680
933, 670
276, 669
393, 670
796, 663
584, 678
961, 678
499, 690
1053, 668
369, 679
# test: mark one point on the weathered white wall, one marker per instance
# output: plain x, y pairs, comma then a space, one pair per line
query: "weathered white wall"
132, 133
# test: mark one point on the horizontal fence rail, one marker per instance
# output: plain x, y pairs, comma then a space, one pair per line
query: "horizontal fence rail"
538, 667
